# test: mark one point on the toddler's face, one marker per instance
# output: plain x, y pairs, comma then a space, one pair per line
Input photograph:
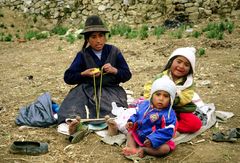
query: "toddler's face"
180, 67
160, 99
97, 40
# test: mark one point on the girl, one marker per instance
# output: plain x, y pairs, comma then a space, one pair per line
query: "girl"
180, 68
153, 126
81, 100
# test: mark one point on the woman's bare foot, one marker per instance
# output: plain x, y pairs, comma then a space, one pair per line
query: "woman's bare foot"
112, 126
73, 124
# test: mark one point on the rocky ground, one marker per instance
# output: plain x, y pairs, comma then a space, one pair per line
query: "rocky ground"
31, 68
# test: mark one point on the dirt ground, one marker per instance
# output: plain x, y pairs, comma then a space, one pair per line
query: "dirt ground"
217, 81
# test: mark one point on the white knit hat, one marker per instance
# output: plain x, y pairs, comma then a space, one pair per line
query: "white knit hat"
188, 52
165, 84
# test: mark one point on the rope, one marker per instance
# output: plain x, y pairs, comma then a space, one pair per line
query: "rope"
98, 99
95, 94
100, 92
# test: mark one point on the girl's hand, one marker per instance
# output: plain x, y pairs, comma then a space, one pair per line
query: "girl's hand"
129, 125
108, 68
91, 72
147, 143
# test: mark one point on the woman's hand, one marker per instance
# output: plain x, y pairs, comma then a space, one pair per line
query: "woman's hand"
108, 68
91, 72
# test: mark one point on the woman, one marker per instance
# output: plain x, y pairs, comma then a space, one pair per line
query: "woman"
95, 90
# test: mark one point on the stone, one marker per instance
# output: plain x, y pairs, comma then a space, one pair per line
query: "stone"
97, 1
28, 2
56, 14
208, 12
73, 15
188, 4
101, 8
191, 9
193, 16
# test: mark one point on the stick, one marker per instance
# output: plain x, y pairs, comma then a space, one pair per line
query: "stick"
186, 156
200, 141
21, 159
89, 120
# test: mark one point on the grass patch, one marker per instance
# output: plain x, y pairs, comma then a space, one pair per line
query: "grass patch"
17, 36
143, 33
128, 32
120, 29
71, 38
42, 35
30, 35
132, 34
59, 30
9, 38
177, 34
196, 34
214, 34
201, 52
6, 38
217, 30
158, 31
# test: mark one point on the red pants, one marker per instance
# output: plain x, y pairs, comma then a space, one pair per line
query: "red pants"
188, 122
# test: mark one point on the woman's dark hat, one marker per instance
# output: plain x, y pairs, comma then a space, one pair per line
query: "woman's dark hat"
94, 24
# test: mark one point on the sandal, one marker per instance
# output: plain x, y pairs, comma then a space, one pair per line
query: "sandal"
28, 148
78, 136
220, 137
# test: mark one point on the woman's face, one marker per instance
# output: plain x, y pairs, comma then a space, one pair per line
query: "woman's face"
97, 40
160, 99
180, 67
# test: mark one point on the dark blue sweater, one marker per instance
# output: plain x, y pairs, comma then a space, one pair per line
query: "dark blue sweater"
72, 74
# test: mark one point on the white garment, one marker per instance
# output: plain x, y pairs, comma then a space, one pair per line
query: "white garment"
98, 54
122, 116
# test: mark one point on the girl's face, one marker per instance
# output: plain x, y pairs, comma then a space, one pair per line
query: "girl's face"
180, 67
160, 99
97, 40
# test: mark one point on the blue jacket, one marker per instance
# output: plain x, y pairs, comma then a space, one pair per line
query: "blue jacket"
154, 124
